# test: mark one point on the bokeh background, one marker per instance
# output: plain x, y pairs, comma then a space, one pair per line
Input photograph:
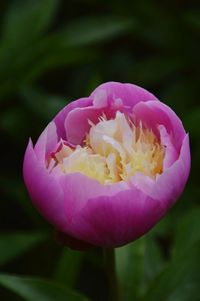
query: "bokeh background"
52, 52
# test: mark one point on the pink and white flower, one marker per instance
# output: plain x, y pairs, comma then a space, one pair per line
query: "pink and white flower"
108, 167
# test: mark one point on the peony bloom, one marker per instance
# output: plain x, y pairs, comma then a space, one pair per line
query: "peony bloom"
109, 166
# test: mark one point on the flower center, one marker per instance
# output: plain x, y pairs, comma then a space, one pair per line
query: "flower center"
114, 150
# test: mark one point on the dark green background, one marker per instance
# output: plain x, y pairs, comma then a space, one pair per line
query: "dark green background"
52, 52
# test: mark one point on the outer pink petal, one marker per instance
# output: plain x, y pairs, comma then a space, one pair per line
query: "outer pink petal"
78, 189
129, 94
112, 221
44, 189
46, 142
154, 113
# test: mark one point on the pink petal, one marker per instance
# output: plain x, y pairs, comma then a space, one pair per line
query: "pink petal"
171, 154
55, 130
44, 189
77, 123
78, 189
107, 99
61, 116
129, 94
46, 142
154, 113
112, 221
170, 184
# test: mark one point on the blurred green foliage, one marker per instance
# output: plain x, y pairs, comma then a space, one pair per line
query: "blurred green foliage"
52, 52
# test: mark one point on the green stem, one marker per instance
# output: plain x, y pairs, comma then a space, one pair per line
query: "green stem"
110, 266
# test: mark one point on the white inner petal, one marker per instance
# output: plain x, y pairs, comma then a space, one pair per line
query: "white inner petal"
114, 151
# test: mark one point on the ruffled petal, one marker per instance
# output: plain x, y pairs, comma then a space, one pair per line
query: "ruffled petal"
107, 99
169, 185
171, 154
55, 130
119, 93
77, 123
61, 116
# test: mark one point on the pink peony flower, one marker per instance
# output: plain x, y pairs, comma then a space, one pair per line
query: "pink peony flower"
109, 166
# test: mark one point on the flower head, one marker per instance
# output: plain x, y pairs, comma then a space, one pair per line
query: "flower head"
108, 167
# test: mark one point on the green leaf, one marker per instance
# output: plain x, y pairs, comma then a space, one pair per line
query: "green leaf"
32, 289
192, 18
58, 55
180, 280
13, 120
68, 267
156, 69
15, 244
137, 264
130, 268
26, 20
24, 24
94, 29
42, 104
187, 231
153, 260
18, 191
